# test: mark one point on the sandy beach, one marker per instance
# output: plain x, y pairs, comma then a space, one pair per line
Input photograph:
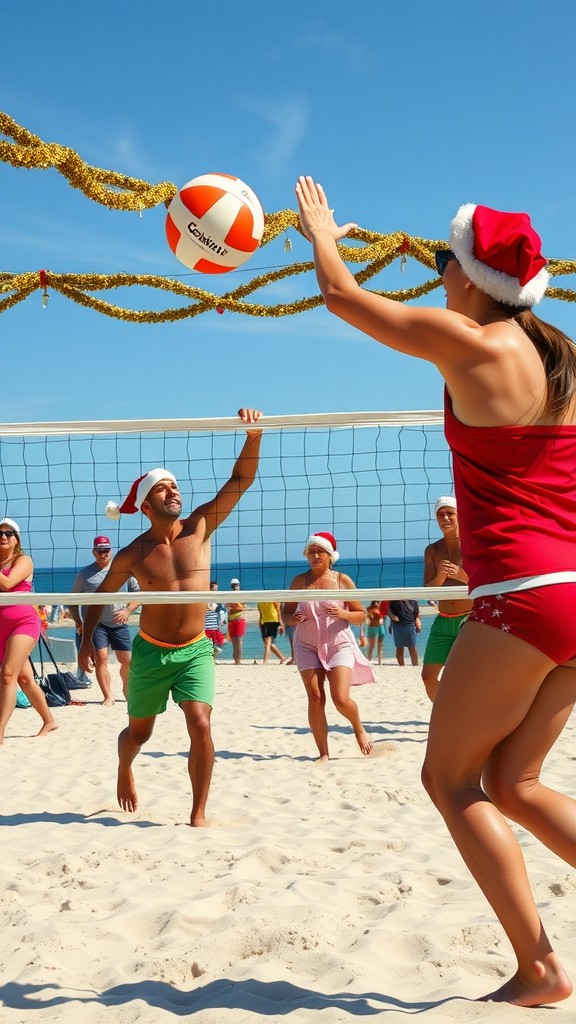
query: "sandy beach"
320, 893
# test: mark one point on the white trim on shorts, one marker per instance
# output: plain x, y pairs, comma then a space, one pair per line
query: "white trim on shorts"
524, 583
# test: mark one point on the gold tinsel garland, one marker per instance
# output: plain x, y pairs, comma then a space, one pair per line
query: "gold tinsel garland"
120, 192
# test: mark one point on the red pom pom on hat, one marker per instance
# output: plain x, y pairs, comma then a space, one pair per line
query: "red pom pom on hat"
500, 253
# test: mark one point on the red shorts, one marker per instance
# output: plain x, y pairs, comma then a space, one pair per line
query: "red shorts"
544, 617
236, 627
216, 636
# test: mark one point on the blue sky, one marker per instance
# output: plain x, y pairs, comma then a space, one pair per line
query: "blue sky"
401, 111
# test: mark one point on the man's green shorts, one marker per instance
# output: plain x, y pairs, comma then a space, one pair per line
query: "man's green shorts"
186, 672
443, 633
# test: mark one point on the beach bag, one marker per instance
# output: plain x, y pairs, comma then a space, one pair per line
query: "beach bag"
53, 684
21, 699
73, 682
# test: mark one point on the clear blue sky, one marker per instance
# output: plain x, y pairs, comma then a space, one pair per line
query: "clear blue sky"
402, 111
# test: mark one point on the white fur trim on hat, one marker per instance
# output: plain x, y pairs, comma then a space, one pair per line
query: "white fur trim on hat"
138, 493
446, 501
495, 283
316, 540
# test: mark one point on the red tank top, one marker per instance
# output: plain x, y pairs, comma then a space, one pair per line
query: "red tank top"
516, 493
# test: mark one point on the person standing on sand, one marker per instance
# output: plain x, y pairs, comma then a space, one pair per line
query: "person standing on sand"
324, 644
443, 568
171, 654
19, 632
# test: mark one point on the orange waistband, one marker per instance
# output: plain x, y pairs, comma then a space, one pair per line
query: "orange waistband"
160, 643
453, 615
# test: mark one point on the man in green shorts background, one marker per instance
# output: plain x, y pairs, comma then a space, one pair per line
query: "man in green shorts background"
171, 654
443, 568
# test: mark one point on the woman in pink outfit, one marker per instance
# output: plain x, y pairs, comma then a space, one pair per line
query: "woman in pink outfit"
509, 684
19, 632
324, 644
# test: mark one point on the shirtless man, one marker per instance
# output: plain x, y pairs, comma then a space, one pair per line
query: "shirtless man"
443, 568
171, 654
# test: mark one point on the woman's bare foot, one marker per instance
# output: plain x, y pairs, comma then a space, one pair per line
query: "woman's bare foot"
364, 741
548, 984
126, 790
108, 702
47, 727
198, 821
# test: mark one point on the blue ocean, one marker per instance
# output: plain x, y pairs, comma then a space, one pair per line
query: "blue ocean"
256, 576
390, 572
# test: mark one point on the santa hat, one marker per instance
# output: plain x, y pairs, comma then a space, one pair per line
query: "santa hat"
500, 253
446, 501
325, 541
138, 493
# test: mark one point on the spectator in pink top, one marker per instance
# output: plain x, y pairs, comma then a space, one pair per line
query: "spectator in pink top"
324, 644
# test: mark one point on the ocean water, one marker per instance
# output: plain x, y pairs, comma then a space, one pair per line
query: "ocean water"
391, 572
256, 576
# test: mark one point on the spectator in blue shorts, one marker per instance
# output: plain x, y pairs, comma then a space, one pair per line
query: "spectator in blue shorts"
111, 630
405, 617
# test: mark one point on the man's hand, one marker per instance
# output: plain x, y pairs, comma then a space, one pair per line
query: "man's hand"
87, 655
250, 416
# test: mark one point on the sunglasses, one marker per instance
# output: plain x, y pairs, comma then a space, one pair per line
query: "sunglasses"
103, 551
442, 258
7, 533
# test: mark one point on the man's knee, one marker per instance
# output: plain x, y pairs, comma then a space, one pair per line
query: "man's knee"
197, 719
140, 729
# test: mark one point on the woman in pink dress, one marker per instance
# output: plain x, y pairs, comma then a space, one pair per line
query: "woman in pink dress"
324, 644
19, 632
509, 684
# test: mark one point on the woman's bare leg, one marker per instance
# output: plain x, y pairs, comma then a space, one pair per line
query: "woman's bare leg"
18, 649
512, 776
489, 685
37, 698
313, 680
339, 679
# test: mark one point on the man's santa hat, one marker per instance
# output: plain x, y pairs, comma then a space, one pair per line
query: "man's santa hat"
138, 493
500, 253
325, 541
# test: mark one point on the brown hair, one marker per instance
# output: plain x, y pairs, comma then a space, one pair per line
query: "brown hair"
558, 354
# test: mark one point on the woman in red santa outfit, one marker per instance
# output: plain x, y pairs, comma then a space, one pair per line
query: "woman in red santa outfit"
509, 684
324, 645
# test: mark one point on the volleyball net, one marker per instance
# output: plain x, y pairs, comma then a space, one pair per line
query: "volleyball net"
370, 479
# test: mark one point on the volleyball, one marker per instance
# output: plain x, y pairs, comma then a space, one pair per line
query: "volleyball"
214, 223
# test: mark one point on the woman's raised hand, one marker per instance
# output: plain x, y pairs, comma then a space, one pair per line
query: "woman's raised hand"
315, 214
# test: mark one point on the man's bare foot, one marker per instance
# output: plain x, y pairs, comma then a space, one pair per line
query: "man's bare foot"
548, 984
364, 742
126, 790
47, 727
323, 759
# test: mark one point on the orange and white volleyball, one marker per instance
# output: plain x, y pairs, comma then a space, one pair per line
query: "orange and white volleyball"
214, 223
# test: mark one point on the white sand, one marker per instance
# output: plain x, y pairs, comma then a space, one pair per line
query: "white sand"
321, 894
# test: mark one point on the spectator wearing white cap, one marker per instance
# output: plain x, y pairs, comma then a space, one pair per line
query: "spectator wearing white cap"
443, 568
236, 624
19, 632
